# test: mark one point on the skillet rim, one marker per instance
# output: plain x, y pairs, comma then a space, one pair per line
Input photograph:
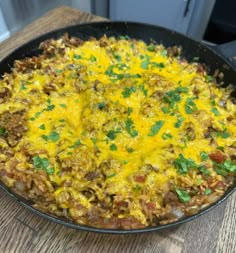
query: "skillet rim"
66, 222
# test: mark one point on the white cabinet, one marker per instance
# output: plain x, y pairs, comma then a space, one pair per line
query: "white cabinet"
186, 16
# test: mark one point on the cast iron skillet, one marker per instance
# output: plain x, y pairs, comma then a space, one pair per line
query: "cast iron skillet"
212, 57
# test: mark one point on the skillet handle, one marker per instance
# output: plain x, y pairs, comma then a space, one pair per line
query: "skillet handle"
227, 51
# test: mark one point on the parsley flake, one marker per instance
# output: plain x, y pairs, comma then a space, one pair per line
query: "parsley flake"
113, 147
42, 127
182, 195
129, 125
53, 136
156, 127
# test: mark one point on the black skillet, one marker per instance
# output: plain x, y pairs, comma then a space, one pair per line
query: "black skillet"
214, 58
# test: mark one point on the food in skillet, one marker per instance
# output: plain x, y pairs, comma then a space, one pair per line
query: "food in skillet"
115, 133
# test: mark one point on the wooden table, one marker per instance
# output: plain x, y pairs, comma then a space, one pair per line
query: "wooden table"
22, 231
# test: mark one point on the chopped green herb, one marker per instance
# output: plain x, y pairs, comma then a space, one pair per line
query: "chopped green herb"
213, 102
77, 56
215, 111
2, 131
225, 168
208, 78
163, 53
125, 161
111, 134
77, 144
93, 58
42, 127
165, 110
101, 105
129, 110
50, 107
156, 127
173, 97
77, 100
179, 122
53, 136
113, 147
207, 191
203, 170
182, 195
204, 156
49, 171
137, 188
111, 175
129, 125
144, 64
160, 65
69, 153
223, 134
124, 37
151, 48
42, 163
23, 87
63, 105
145, 91
128, 91
58, 71
166, 136
190, 106
117, 57
183, 164
221, 148
129, 150
62, 120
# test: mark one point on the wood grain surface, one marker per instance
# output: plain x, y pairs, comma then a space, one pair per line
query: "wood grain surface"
24, 232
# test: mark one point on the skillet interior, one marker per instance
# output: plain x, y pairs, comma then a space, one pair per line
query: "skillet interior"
146, 33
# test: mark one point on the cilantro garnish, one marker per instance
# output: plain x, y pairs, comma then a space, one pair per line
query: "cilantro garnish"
77, 56
111, 134
42, 163
190, 106
207, 191
113, 147
182, 195
111, 175
101, 105
183, 164
156, 127
225, 168
145, 91
129, 150
63, 105
76, 144
215, 111
151, 48
179, 122
224, 134
128, 91
53, 136
93, 58
204, 156
42, 127
173, 97
166, 136
203, 170
2, 131
208, 78
129, 125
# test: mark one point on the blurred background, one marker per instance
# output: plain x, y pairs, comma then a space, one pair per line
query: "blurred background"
211, 20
